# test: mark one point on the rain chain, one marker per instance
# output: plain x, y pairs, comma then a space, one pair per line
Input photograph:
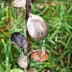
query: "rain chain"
37, 29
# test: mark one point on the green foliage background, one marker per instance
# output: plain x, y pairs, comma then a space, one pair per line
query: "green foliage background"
58, 14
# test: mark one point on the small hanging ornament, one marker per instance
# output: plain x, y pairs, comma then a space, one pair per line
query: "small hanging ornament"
23, 61
39, 56
19, 3
37, 27
19, 40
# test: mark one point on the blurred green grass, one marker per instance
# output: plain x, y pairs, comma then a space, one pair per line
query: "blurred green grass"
58, 14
